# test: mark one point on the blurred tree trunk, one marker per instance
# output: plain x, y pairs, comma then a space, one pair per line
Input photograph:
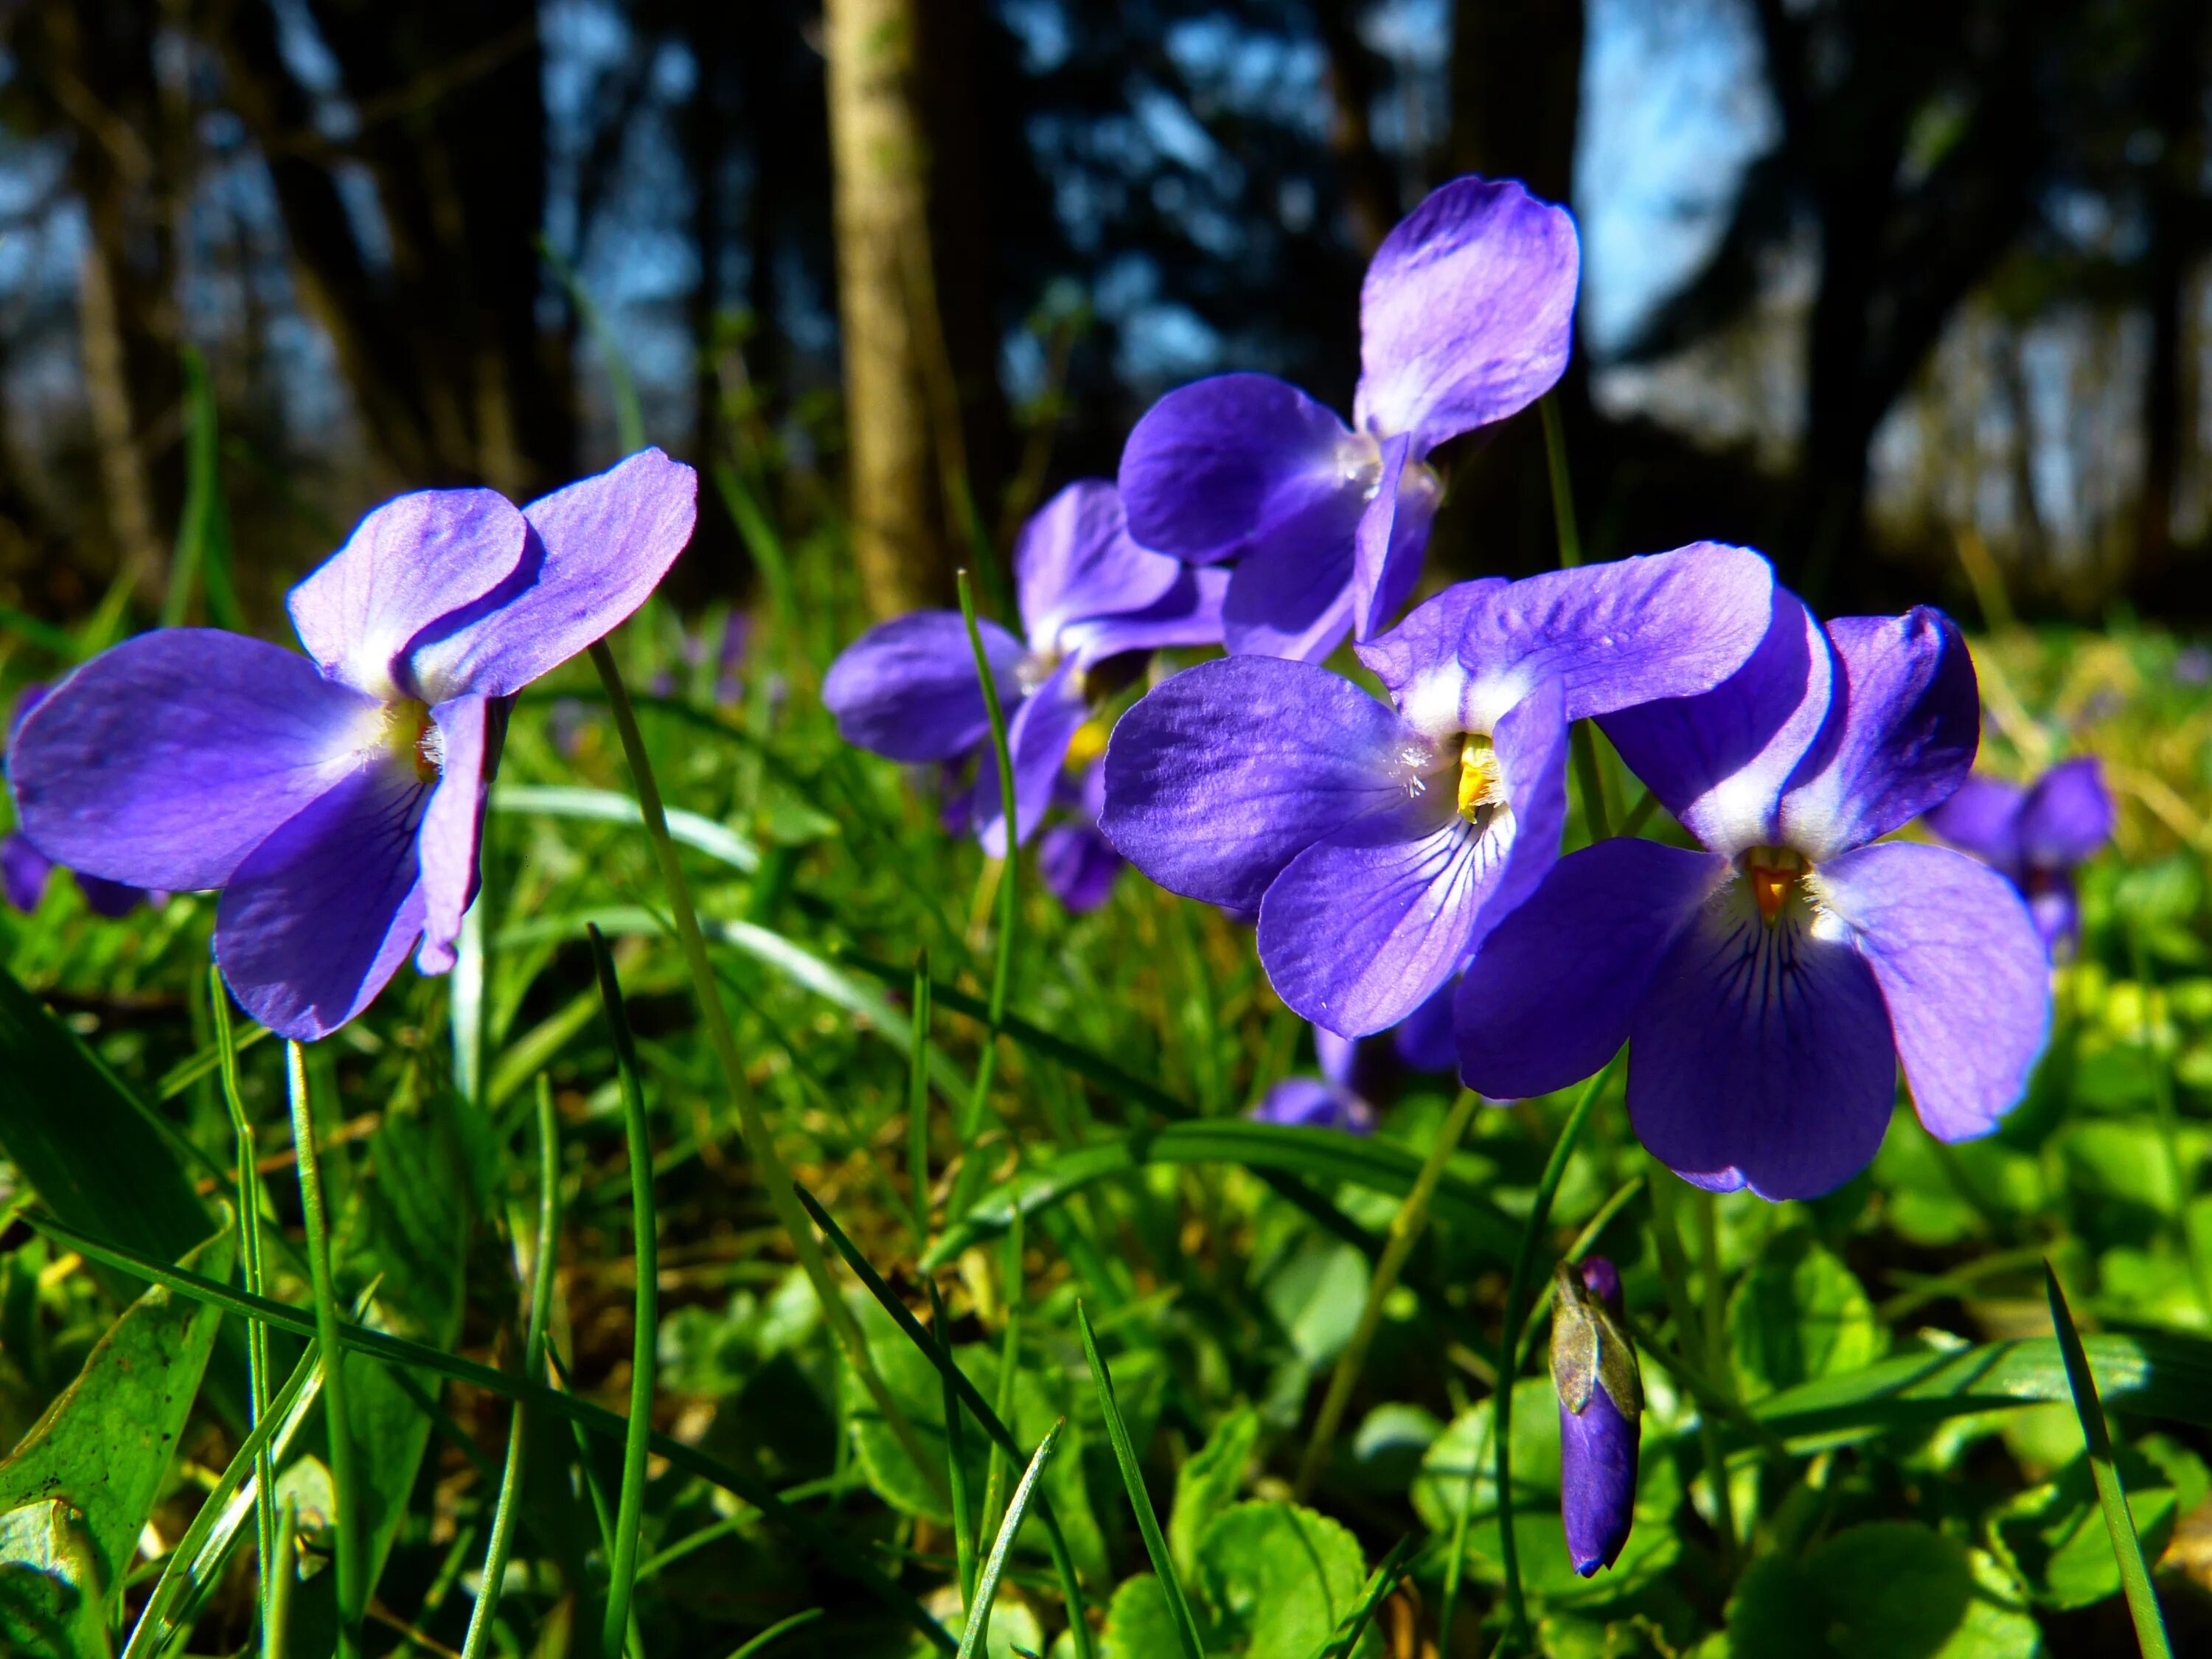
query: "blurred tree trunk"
1517, 91
1370, 189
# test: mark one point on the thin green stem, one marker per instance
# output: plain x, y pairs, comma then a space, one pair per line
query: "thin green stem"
602, 1514
917, 1105
1516, 1301
1002, 959
277, 1619
775, 1631
1406, 1229
1590, 781
956, 1454
545, 1250
1010, 1354
249, 1259
645, 1345
345, 1521
775, 1176
1563, 493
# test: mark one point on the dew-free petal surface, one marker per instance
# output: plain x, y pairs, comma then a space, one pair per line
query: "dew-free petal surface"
1424, 1038
1187, 614
1981, 817
1074, 560
1392, 539
24, 872
1223, 774
1037, 738
111, 899
1597, 1480
1309, 1102
2069, 815
320, 916
163, 762
908, 688
1290, 601
453, 825
1077, 866
1962, 969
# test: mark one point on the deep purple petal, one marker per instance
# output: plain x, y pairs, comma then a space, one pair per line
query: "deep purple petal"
1982, 817
1307, 1103
1662, 625
1187, 614
111, 899
409, 566
1761, 1055
1075, 560
1037, 738
452, 823
1911, 718
1550, 996
599, 548
1424, 1038
320, 916
1337, 1056
1225, 466
2067, 816
1467, 314
1962, 969
1289, 601
1531, 745
1224, 773
164, 762
1079, 865
24, 870
1393, 539
1597, 1480
908, 688
1719, 761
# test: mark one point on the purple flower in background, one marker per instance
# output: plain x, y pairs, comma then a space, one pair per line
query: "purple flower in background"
2035, 836
1378, 844
1601, 1393
24, 870
908, 688
1077, 864
335, 798
1769, 986
1466, 317
1356, 1072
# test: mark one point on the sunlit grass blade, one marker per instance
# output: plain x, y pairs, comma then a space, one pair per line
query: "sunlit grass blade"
1010, 1357
1063, 1563
776, 1632
956, 1452
1379, 1584
986, 1587
505, 1508
760, 1141
349, 1562
1009, 897
202, 555
917, 1104
276, 1621
806, 1530
248, 1211
2112, 1496
603, 1514
1132, 1480
701, 834
646, 1338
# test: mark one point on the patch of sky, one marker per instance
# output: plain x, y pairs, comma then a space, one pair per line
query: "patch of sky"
1041, 27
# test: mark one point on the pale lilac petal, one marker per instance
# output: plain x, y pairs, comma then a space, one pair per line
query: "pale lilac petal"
24, 870
1719, 761
1424, 1039
1187, 614
320, 916
164, 762
1982, 817
1241, 462
2068, 816
2056, 906
1285, 601
1901, 735
1467, 314
469, 731
1077, 866
1222, 775
908, 688
1962, 969
1037, 738
1550, 995
1337, 1056
598, 548
1393, 539
1307, 1103
1761, 1055
1531, 744
410, 566
1661, 625
111, 899
1075, 560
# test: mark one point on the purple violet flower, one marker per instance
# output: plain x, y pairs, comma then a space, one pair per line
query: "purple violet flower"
335, 798
1601, 1392
24, 870
1769, 986
1466, 316
2034, 837
1357, 1072
1077, 864
908, 688
1378, 844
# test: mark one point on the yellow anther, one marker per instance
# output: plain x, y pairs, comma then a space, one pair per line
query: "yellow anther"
1773, 873
412, 735
1481, 788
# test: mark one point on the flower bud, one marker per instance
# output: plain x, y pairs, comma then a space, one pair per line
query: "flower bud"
1600, 1403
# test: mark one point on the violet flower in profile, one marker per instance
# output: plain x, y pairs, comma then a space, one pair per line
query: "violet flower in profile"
25, 871
1769, 986
1076, 863
1379, 843
1466, 316
335, 798
1600, 1391
2034, 837
1358, 1073
908, 689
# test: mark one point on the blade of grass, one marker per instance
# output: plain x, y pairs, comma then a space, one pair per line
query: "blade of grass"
248, 1210
622, 390
759, 1141
1406, 1229
534, 1365
956, 1453
978, 1632
345, 1526
645, 1336
917, 1105
602, 1515
1674, 1276
1379, 1584
1010, 1355
782, 1628
1132, 1480
2112, 1496
277, 1623
1002, 959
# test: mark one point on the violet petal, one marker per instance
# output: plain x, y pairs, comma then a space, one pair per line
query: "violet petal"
1074, 560
453, 826
1037, 739
2067, 816
908, 688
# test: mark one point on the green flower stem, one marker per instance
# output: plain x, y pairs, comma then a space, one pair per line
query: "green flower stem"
956, 1455
917, 1106
1404, 1232
1674, 1274
775, 1176
249, 1261
345, 1521
277, 1615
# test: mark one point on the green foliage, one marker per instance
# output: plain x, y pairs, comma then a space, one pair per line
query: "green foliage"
1799, 1314
1903, 1591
